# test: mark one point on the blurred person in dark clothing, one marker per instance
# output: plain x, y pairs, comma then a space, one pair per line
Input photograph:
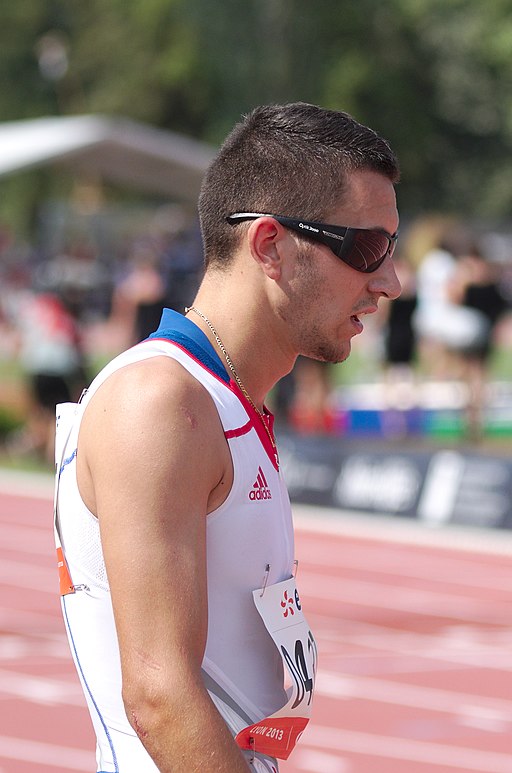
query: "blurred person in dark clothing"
399, 333
475, 285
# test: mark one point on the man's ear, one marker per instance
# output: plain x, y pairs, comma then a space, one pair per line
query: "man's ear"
268, 241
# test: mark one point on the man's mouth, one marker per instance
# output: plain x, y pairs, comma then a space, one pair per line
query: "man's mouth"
355, 318
357, 323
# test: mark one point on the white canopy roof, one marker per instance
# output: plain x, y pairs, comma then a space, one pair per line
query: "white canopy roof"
123, 151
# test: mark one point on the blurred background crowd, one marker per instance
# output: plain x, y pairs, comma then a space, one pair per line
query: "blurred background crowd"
440, 352
88, 257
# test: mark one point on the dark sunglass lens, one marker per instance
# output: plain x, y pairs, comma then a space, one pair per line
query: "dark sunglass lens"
365, 250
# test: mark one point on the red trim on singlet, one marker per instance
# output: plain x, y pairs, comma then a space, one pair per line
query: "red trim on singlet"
254, 418
256, 423
238, 431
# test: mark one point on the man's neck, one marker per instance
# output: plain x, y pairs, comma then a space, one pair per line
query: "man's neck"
238, 325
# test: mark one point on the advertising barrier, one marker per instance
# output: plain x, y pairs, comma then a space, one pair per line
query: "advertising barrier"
436, 486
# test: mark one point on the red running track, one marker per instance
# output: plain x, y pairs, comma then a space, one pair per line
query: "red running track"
414, 628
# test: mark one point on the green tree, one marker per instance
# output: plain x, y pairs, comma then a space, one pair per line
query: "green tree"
433, 76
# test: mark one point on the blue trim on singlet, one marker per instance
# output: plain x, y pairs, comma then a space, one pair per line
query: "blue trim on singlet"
79, 666
67, 461
177, 328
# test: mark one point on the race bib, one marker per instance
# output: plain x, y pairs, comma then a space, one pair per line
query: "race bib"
280, 609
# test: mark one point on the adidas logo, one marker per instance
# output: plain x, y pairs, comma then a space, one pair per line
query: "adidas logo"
260, 489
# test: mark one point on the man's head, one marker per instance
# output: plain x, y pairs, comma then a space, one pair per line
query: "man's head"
292, 160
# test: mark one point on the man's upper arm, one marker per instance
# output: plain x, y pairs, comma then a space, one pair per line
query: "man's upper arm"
154, 445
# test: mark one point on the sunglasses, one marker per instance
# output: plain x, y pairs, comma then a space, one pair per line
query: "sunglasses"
364, 249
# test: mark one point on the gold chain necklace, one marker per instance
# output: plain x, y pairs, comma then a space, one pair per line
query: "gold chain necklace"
235, 374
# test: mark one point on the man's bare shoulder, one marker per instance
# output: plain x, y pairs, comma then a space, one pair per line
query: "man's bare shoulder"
153, 418
158, 384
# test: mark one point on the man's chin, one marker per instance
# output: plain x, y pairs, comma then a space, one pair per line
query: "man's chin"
334, 356
343, 353
344, 356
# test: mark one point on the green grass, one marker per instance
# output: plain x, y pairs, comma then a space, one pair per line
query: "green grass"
24, 463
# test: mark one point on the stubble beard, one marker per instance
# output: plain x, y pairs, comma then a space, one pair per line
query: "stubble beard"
327, 352
304, 307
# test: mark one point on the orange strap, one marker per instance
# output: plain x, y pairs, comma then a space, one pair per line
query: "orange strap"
65, 584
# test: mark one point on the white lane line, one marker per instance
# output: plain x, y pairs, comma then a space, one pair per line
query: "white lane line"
33, 650
430, 603
51, 755
380, 746
32, 485
41, 690
314, 761
452, 645
32, 622
27, 539
436, 569
465, 706
20, 574
392, 528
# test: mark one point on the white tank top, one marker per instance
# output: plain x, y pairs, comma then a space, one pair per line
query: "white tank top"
249, 541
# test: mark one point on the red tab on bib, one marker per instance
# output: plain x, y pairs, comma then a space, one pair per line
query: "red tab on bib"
275, 736
65, 584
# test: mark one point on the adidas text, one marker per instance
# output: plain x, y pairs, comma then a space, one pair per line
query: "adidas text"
261, 493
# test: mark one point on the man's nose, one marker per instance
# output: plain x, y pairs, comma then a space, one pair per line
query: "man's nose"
385, 281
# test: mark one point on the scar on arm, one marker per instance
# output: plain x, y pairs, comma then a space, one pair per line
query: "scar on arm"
136, 726
191, 418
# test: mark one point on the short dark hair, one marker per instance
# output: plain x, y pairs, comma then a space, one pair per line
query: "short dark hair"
285, 159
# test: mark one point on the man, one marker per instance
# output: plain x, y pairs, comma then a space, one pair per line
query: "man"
174, 527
